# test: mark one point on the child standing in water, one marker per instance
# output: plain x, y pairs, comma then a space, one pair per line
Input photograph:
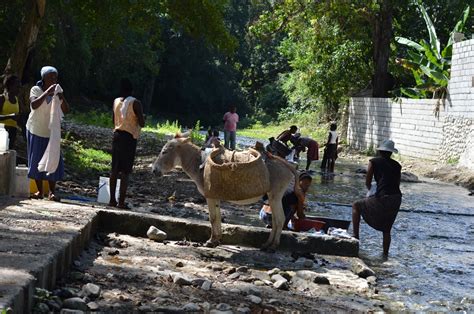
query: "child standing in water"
330, 152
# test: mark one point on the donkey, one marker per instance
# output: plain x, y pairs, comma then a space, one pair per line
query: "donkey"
179, 151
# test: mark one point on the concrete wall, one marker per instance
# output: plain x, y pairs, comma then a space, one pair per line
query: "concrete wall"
412, 123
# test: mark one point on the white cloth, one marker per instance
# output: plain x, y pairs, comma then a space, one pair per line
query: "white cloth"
50, 160
38, 120
333, 137
126, 102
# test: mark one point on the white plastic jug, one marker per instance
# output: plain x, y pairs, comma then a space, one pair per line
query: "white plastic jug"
103, 192
22, 183
4, 139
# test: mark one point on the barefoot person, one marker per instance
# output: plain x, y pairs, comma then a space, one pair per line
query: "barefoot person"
128, 120
303, 143
380, 210
39, 132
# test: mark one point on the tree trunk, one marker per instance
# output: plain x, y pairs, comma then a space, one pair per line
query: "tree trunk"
26, 37
382, 81
148, 94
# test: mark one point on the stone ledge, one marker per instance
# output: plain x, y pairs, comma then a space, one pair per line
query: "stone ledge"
137, 224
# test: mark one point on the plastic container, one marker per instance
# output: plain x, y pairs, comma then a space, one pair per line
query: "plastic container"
307, 224
22, 184
103, 192
4, 139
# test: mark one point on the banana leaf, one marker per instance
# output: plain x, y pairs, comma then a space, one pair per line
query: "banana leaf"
459, 27
409, 43
434, 41
438, 76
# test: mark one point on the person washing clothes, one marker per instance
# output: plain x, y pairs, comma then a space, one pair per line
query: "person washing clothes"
43, 127
303, 143
293, 202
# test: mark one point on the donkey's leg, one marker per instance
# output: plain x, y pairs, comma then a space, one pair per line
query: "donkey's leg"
278, 219
215, 219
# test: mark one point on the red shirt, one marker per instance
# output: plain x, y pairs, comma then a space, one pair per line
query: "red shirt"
230, 121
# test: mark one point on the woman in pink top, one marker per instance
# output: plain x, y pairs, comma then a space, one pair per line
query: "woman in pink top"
230, 127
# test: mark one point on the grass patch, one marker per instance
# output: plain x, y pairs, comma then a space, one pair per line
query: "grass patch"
93, 117
86, 161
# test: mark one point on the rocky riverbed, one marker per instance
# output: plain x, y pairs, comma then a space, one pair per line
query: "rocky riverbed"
142, 275
120, 273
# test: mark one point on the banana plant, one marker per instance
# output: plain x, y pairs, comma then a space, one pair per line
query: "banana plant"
429, 64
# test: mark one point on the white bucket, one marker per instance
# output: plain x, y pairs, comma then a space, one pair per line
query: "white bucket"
22, 183
103, 192
4, 139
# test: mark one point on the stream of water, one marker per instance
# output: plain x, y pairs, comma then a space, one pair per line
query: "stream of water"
431, 262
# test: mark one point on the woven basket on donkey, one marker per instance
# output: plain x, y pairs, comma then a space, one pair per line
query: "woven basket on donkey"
235, 176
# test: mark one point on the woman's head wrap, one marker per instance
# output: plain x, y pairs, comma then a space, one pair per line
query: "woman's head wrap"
48, 69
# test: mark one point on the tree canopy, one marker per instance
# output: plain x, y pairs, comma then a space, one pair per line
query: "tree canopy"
189, 60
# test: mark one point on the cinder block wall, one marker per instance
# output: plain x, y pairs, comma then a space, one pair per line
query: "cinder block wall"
412, 123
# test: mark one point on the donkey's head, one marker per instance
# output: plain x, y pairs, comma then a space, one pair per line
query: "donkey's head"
170, 155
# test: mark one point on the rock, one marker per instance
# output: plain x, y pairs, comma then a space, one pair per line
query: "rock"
54, 306
41, 308
258, 283
66, 293
76, 276
242, 269
248, 290
156, 234
144, 308
274, 301
181, 280
75, 304
254, 299
223, 307
285, 275
371, 280
229, 270
91, 290
234, 276
216, 267
278, 277
69, 311
198, 282
235, 291
273, 271
220, 312
321, 280
206, 285
362, 270
281, 285
268, 282
163, 294
409, 177
306, 274
179, 264
93, 306
243, 310
191, 307
361, 170
205, 306
77, 263
308, 263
